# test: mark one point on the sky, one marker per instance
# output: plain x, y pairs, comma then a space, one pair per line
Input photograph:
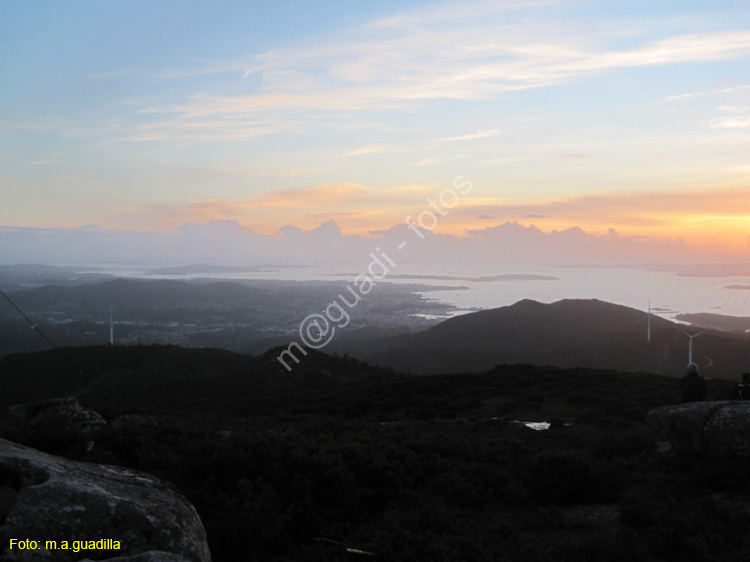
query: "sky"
609, 119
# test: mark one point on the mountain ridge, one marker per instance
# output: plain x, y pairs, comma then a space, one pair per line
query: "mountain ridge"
587, 333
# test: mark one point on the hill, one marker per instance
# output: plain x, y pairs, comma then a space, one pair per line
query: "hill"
115, 379
337, 454
714, 321
24, 276
567, 333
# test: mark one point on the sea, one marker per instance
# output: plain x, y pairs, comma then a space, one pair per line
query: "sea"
666, 293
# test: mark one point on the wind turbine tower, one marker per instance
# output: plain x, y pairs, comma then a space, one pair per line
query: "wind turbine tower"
690, 345
648, 333
112, 328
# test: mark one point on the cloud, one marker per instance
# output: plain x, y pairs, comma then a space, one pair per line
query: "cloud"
293, 172
678, 97
691, 213
471, 136
442, 51
214, 226
326, 195
361, 214
228, 242
266, 207
452, 12
559, 246
398, 62
369, 149
166, 215
730, 122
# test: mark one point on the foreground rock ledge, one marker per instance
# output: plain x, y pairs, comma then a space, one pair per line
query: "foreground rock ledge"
51, 498
719, 429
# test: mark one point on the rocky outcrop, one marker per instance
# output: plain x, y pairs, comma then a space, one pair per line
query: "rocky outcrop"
48, 498
31, 410
58, 425
719, 429
728, 431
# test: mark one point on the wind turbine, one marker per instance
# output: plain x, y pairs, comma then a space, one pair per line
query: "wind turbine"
648, 320
111, 327
690, 346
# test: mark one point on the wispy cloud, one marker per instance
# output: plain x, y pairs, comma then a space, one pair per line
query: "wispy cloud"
730, 122
327, 195
624, 209
426, 162
369, 149
343, 215
472, 136
451, 12
526, 87
413, 57
679, 97
276, 204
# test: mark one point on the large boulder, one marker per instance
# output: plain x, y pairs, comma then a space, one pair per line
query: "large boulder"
58, 425
682, 425
31, 410
728, 431
48, 498
718, 428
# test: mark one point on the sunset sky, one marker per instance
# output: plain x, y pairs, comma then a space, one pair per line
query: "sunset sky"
136, 115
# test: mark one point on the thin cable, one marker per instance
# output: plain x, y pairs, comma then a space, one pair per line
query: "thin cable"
49, 341
67, 359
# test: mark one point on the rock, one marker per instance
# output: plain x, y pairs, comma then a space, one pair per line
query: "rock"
728, 431
31, 410
7, 501
63, 500
76, 421
719, 428
59, 425
682, 425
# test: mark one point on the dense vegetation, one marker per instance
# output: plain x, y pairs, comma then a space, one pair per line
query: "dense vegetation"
293, 466
567, 333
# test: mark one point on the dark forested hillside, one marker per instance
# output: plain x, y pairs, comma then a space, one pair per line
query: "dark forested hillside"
337, 454
568, 333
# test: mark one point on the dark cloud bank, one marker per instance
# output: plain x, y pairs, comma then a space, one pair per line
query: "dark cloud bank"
226, 242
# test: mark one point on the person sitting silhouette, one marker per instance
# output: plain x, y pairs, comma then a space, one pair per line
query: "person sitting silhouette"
692, 385
742, 390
